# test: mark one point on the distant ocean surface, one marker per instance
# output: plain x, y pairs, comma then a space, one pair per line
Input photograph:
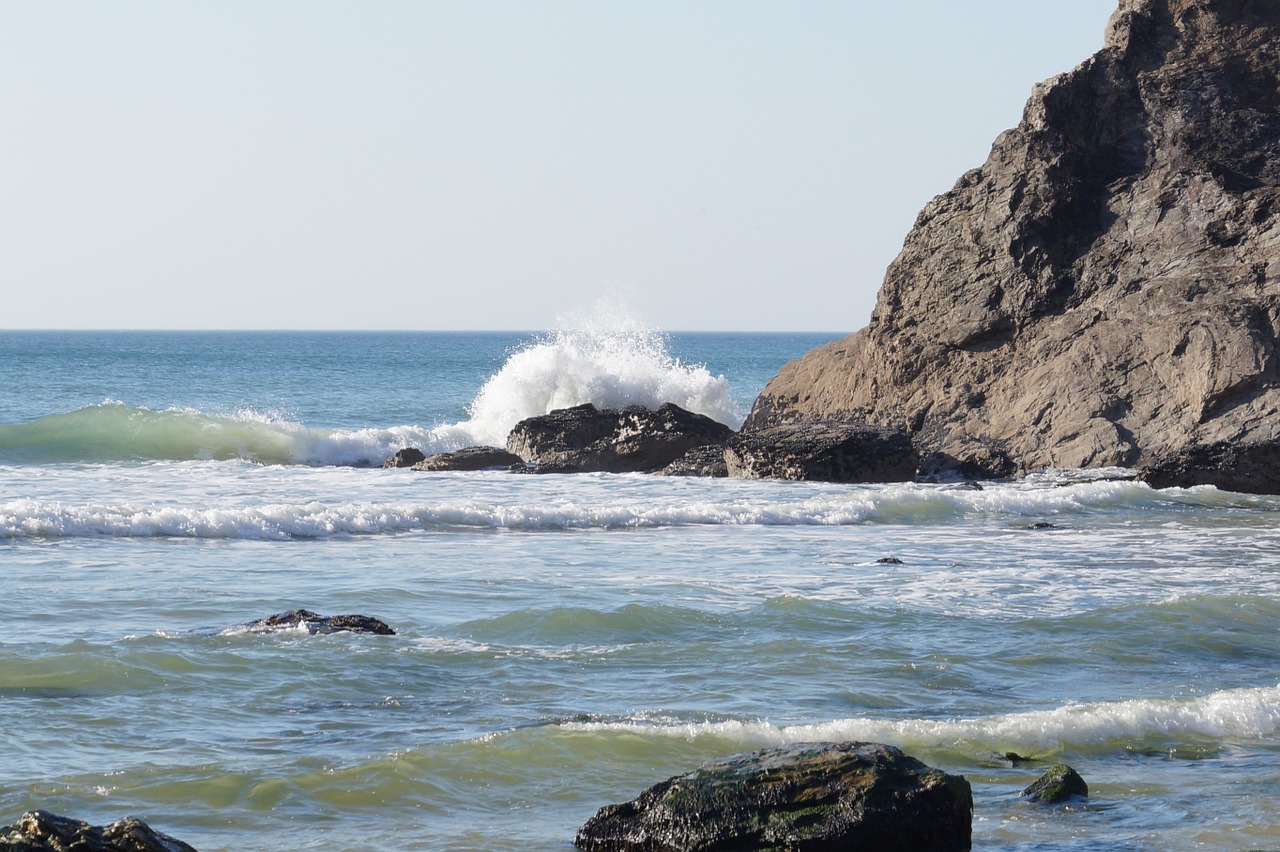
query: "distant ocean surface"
565, 641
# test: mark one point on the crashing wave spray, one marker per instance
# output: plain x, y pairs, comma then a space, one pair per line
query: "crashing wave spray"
608, 360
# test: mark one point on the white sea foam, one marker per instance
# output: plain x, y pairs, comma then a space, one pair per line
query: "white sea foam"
642, 507
611, 368
1246, 714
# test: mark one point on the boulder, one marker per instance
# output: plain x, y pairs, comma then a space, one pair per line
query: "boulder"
1105, 289
311, 622
1252, 467
824, 452
1059, 784
407, 457
470, 458
36, 831
812, 796
586, 439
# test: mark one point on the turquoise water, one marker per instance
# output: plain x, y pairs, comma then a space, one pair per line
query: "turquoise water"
563, 642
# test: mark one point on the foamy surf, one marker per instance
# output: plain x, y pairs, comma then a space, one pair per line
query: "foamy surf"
1237, 714
746, 504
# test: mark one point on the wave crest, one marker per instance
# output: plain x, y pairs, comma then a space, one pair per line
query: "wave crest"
1248, 714
610, 368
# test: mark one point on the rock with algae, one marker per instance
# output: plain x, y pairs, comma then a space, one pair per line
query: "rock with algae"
809, 796
1059, 784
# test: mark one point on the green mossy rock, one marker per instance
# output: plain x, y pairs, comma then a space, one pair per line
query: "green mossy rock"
812, 796
1059, 784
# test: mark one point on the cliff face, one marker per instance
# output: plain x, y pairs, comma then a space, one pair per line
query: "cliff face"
1106, 287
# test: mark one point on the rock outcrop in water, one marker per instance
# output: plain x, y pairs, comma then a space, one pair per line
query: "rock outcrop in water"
1059, 784
823, 452
41, 831
585, 439
469, 458
1105, 289
803, 797
313, 622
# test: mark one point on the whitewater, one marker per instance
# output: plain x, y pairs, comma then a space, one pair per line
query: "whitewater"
565, 641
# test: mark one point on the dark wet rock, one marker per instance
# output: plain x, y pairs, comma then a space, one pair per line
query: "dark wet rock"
37, 831
1042, 525
889, 560
1252, 467
585, 439
311, 622
1059, 784
407, 457
706, 461
812, 796
470, 458
1105, 289
823, 452
979, 462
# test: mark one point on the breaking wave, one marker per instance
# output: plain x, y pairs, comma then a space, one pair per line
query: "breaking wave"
1234, 714
609, 367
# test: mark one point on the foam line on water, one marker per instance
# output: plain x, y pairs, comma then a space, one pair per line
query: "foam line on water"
1235, 714
903, 504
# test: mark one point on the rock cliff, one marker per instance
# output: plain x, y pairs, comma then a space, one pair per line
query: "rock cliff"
1105, 289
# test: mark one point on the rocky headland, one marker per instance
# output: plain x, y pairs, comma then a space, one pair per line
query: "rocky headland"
1105, 289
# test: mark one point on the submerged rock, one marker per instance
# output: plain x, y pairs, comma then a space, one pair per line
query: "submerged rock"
40, 830
1059, 784
470, 458
825, 452
586, 439
1104, 290
311, 622
810, 796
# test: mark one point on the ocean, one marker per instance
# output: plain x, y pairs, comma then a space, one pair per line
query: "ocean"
565, 641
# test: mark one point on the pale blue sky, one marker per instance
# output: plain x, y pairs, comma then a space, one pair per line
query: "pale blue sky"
491, 165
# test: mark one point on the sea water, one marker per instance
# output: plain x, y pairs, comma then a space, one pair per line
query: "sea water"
565, 641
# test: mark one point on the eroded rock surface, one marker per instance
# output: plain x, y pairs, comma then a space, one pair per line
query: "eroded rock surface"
38, 831
407, 457
1105, 289
585, 439
469, 458
812, 796
823, 452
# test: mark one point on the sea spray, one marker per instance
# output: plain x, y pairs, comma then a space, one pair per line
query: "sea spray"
609, 368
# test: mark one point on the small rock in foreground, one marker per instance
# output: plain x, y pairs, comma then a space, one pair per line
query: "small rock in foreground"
312, 622
1057, 785
40, 830
809, 796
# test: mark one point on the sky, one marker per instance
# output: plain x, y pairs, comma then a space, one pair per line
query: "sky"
492, 164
